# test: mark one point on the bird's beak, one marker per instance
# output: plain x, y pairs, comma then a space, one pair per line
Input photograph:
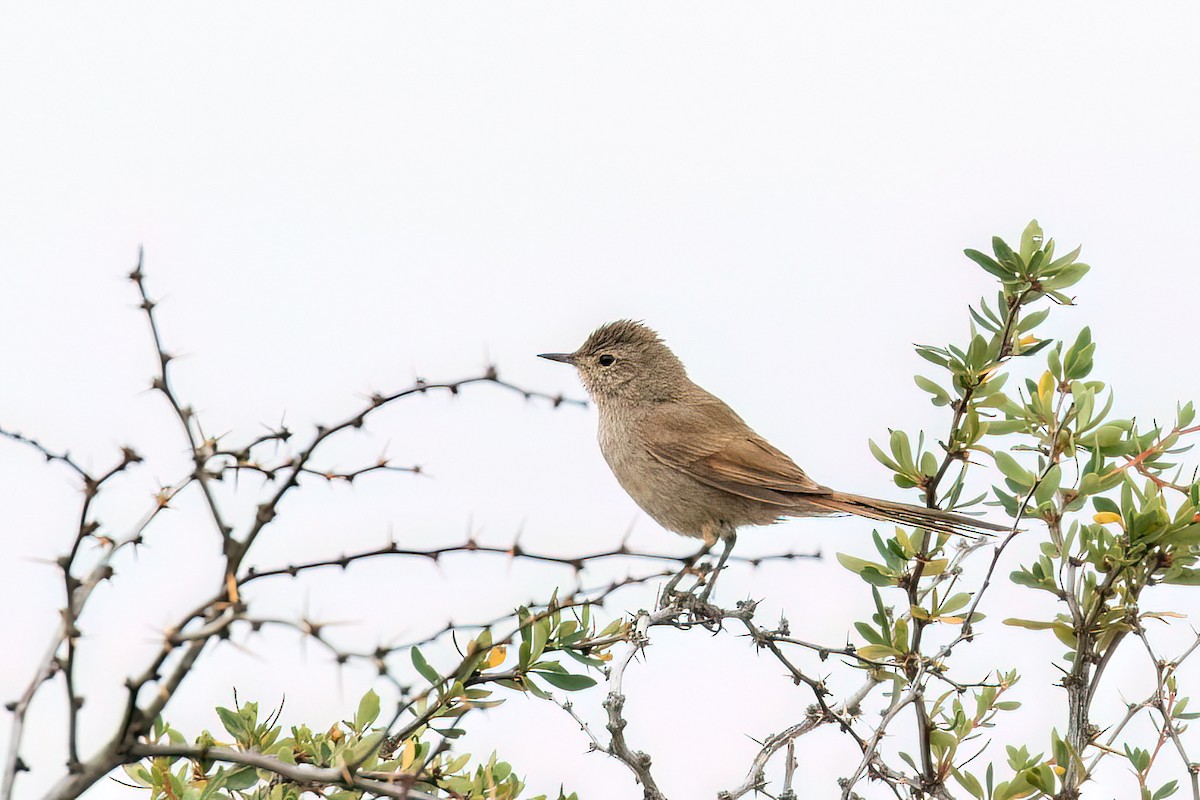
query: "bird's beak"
566, 358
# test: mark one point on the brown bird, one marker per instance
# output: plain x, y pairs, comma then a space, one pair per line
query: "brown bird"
692, 463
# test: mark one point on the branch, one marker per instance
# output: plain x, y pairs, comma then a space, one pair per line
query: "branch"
871, 751
50, 455
756, 779
637, 761
50, 664
298, 773
578, 563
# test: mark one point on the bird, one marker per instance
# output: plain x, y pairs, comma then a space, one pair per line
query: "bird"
692, 464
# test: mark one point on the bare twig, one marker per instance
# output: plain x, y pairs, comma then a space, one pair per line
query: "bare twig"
618, 747
756, 776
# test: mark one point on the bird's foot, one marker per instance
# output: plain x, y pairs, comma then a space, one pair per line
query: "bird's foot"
690, 609
672, 595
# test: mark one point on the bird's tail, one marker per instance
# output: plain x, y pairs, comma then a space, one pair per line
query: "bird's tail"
903, 514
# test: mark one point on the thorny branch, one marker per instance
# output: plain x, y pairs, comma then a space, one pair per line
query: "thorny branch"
184, 642
614, 703
685, 611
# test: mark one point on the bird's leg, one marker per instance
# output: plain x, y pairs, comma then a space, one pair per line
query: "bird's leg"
729, 542
687, 567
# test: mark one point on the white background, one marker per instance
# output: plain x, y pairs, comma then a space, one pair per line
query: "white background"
334, 199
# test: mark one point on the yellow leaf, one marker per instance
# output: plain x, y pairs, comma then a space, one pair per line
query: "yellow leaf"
1027, 340
409, 755
936, 566
1106, 517
1046, 386
496, 657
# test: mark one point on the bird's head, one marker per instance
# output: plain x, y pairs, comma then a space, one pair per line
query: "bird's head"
626, 360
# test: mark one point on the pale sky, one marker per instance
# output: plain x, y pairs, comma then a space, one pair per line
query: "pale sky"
334, 199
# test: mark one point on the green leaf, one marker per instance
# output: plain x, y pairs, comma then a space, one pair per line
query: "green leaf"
858, 565
902, 450
883, 457
241, 779
1006, 255
970, 783
1032, 320
368, 710
954, 603
427, 672
1031, 240
1048, 485
932, 355
940, 396
876, 652
873, 576
989, 264
1185, 577
138, 774
1059, 263
1184, 537
1012, 470
362, 750
1166, 790
540, 635
869, 633
1031, 624
1067, 276
567, 682
233, 724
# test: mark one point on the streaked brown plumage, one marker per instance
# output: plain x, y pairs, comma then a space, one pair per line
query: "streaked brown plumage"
692, 463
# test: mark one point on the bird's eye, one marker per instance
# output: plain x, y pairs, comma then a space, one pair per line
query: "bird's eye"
606, 360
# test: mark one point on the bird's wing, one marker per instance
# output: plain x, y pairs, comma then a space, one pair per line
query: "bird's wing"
711, 443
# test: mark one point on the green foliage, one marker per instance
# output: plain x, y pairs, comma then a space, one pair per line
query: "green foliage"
353, 747
419, 753
1056, 451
